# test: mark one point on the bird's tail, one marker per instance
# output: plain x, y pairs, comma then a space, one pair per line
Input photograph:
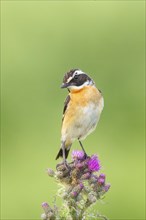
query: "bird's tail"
60, 153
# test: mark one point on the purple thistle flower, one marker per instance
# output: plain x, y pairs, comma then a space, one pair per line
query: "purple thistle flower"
102, 176
76, 190
77, 154
101, 181
74, 194
81, 186
107, 186
45, 205
94, 163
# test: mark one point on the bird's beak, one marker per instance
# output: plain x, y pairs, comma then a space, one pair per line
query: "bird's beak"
64, 85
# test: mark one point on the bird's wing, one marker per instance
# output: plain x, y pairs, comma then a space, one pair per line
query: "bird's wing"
65, 106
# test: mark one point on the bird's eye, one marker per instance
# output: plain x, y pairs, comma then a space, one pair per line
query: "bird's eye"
76, 77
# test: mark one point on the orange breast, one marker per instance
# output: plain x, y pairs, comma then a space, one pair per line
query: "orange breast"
78, 100
85, 95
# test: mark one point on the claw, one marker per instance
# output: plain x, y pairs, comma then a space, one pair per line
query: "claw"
85, 156
62, 166
66, 164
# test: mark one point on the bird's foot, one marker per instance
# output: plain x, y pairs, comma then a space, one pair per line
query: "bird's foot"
85, 156
66, 164
62, 166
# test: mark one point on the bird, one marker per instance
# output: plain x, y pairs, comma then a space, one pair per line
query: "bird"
81, 112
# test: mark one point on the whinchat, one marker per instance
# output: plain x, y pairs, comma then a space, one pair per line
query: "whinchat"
82, 110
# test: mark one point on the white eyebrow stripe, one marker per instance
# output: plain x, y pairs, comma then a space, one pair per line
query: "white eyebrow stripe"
69, 79
78, 72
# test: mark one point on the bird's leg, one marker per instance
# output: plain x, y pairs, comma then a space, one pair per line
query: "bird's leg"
85, 155
64, 159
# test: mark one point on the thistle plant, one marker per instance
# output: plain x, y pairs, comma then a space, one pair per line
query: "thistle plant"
81, 186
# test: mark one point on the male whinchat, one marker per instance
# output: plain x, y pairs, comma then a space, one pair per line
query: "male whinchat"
82, 109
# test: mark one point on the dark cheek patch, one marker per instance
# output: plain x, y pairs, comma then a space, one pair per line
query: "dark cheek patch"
82, 79
79, 80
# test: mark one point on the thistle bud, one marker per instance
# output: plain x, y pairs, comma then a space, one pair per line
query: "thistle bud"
107, 186
59, 174
81, 186
93, 179
46, 207
79, 165
50, 172
101, 181
102, 175
76, 190
85, 176
74, 194
61, 167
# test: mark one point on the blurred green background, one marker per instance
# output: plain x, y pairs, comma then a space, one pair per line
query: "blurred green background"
41, 40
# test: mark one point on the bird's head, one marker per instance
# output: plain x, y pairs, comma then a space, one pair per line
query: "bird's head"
76, 79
